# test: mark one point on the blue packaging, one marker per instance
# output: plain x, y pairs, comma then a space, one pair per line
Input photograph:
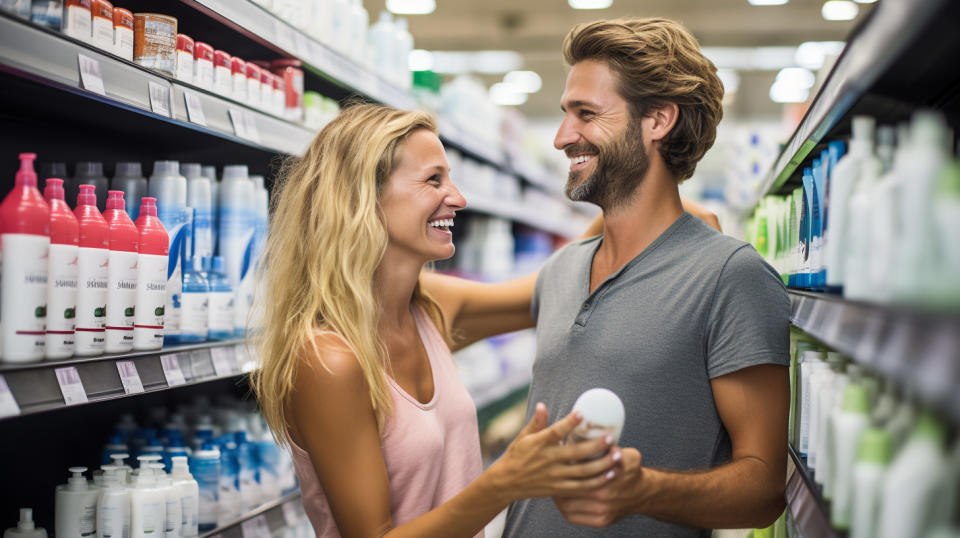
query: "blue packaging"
247, 472
220, 306
47, 13
195, 305
115, 445
205, 468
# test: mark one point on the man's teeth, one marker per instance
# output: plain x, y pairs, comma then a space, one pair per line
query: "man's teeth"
580, 159
442, 223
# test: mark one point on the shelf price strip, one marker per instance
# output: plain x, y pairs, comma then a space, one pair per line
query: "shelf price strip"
129, 377
256, 527
90, 75
194, 109
224, 360
159, 98
8, 404
171, 370
70, 385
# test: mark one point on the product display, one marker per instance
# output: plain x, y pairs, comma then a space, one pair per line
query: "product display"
62, 273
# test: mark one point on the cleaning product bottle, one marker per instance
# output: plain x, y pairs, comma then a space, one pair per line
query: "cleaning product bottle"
912, 482
236, 232
62, 273
848, 424
24, 251
210, 172
113, 504
205, 468
93, 262
189, 493
830, 400
220, 326
128, 177
25, 527
75, 506
170, 190
251, 261
199, 200
151, 278
173, 520
148, 503
91, 173
196, 305
122, 277
247, 484
380, 45
874, 452
863, 206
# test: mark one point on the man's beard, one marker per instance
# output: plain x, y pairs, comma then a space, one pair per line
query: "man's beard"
621, 167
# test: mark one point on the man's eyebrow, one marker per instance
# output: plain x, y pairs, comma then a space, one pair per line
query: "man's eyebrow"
579, 104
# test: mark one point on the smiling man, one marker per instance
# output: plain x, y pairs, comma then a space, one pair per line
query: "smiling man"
688, 326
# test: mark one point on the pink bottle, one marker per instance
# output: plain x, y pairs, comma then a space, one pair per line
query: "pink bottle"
152, 262
122, 277
62, 273
93, 261
25, 245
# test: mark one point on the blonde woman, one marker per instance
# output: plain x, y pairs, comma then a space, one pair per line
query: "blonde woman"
357, 375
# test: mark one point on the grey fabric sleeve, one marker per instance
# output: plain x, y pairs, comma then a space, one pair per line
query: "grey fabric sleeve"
749, 319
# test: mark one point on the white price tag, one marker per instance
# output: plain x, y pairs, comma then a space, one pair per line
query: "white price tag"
8, 404
129, 377
194, 109
224, 360
256, 527
250, 126
171, 370
239, 125
90, 75
159, 98
291, 516
70, 385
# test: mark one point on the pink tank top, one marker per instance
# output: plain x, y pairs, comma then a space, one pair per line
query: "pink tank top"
432, 450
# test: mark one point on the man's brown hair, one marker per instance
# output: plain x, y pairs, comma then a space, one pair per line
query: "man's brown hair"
658, 61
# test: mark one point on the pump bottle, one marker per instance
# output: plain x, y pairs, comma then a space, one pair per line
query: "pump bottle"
189, 493
113, 504
62, 273
93, 268
75, 506
122, 277
173, 520
25, 527
152, 263
148, 503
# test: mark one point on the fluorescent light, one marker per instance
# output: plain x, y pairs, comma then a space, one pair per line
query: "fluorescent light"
525, 81
487, 62
411, 7
812, 54
767, 2
505, 94
782, 93
839, 10
797, 77
420, 60
590, 4
730, 79
750, 58
865, 1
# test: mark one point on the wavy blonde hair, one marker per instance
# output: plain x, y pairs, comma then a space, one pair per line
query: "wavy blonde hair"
327, 239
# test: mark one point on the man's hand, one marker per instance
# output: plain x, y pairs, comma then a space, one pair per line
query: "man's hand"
611, 502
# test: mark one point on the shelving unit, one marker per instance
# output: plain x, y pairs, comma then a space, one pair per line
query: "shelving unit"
811, 513
264, 520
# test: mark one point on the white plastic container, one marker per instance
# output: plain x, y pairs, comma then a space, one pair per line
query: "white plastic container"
93, 264
152, 266
173, 514
75, 506
810, 362
122, 276
25, 527
148, 503
170, 190
189, 493
849, 422
236, 232
113, 504
205, 468
199, 198
380, 43
102, 25
78, 20
359, 21
873, 459
402, 50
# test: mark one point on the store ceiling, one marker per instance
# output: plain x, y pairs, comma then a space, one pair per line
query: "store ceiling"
535, 29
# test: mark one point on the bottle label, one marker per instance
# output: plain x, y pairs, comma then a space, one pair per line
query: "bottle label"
103, 33
178, 235
61, 300
172, 524
221, 311
78, 23
121, 300
184, 66
112, 519
202, 234
88, 518
222, 80
188, 510
236, 231
151, 300
240, 87
92, 281
23, 302
203, 74
123, 42
194, 315
152, 518
253, 92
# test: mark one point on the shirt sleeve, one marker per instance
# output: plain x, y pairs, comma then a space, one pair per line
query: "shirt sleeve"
749, 320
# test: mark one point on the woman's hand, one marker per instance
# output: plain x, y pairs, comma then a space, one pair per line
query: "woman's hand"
538, 464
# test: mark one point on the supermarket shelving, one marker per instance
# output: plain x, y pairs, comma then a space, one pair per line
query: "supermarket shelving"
811, 513
266, 519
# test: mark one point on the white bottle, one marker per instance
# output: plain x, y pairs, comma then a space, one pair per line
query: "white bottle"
152, 266
359, 21
113, 504
820, 377
170, 190
380, 43
93, 265
199, 199
236, 232
340, 23
148, 503
883, 223
810, 361
829, 403
862, 209
848, 424
76, 506
189, 493
173, 520
875, 449
25, 527
402, 50
912, 482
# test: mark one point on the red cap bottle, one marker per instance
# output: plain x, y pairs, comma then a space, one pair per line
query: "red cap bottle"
153, 236
94, 232
123, 234
23, 210
64, 229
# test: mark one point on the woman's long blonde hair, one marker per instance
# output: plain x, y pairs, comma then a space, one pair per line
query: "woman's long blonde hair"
327, 239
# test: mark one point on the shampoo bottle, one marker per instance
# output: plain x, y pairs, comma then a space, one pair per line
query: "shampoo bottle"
220, 324
199, 201
170, 190
173, 520
205, 468
25, 527
75, 507
122, 277
92, 273
151, 279
113, 504
147, 503
196, 305
188, 490
236, 232
62, 273
128, 177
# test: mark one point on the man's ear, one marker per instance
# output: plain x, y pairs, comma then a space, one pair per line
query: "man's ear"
660, 121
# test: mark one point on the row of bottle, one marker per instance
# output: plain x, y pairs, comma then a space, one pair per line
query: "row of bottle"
875, 222
882, 460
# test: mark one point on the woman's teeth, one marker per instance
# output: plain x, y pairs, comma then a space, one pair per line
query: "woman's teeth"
442, 223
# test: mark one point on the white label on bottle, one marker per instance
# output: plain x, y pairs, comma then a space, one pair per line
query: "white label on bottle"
92, 277
8, 404
103, 33
90, 75
203, 73
88, 518
23, 302
184, 66
239, 126
171, 370
173, 521
121, 300
290, 514
123, 42
224, 360
253, 92
78, 22
61, 300
222, 80
149, 313
129, 377
194, 316
221, 311
112, 519
240, 87
159, 98
256, 527
188, 515
152, 518
70, 385
194, 109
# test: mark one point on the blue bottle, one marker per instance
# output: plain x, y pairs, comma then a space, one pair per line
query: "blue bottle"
220, 325
205, 468
195, 305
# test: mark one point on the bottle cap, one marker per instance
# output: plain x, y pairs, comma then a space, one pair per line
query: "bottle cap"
166, 168
115, 200
929, 427
190, 170
53, 189
603, 413
238, 66
128, 169
209, 172
86, 195
26, 175
875, 446
26, 520
148, 206
235, 171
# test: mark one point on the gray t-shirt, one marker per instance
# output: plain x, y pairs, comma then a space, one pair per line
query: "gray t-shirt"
694, 305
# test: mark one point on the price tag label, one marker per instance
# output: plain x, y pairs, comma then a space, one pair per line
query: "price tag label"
239, 125
159, 98
70, 385
291, 516
256, 527
8, 404
129, 377
171, 370
250, 126
194, 109
224, 360
90, 76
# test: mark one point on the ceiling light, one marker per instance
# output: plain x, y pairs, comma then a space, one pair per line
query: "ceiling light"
839, 10
767, 2
525, 81
492, 62
505, 94
812, 54
411, 7
782, 93
420, 60
730, 79
750, 58
796, 76
590, 4
865, 1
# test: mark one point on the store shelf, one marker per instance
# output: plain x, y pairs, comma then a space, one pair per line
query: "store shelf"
918, 349
36, 387
811, 513
52, 59
892, 64
569, 226
264, 521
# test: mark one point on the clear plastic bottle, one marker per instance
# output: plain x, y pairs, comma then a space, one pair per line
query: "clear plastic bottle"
195, 303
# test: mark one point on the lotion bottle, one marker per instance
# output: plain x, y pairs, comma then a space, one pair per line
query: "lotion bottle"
189, 493
25, 527
173, 520
874, 452
113, 504
75, 507
849, 422
62, 273
148, 503
93, 267
152, 263
122, 277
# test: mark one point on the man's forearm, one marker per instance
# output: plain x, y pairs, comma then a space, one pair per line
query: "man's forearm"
746, 493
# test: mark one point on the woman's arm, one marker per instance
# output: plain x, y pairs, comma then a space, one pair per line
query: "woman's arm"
333, 420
